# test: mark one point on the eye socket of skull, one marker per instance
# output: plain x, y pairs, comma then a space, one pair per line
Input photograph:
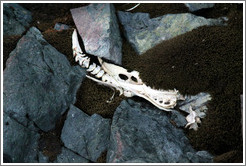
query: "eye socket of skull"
134, 79
123, 77
167, 103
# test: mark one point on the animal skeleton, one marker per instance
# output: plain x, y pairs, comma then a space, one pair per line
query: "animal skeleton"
128, 83
193, 118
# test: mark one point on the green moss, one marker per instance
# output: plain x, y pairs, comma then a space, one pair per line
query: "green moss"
102, 158
207, 59
230, 157
92, 98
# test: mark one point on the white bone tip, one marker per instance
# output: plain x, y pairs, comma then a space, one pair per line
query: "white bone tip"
100, 74
75, 42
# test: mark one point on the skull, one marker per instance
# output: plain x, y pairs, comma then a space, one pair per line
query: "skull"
133, 85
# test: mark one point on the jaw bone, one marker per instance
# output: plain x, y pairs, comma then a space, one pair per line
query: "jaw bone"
128, 83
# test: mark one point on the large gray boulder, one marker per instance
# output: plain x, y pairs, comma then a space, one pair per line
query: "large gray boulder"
15, 19
198, 6
39, 84
42, 158
86, 135
68, 156
98, 27
144, 33
178, 118
19, 143
140, 133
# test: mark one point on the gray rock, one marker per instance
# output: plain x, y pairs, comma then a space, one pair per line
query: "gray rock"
204, 156
197, 6
60, 27
98, 27
200, 157
192, 156
67, 156
7, 158
86, 135
140, 133
19, 143
144, 33
15, 19
178, 118
197, 102
39, 84
42, 158
135, 161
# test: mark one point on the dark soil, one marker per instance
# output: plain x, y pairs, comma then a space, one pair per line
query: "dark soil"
9, 45
207, 59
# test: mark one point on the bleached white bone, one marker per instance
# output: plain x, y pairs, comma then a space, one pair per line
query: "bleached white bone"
114, 70
75, 44
100, 73
86, 63
130, 85
96, 70
108, 74
92, 67
193, 118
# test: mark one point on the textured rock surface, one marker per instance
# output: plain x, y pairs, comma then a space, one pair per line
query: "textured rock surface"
38, 82
60, 27
98, 27
67, 156
19, 143
144, 33
198, 101
42, 158
7, 158
15, 19
86, 135
197, 6
178, 118
143, 134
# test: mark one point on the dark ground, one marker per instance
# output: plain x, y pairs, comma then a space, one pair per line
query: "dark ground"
208, 59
